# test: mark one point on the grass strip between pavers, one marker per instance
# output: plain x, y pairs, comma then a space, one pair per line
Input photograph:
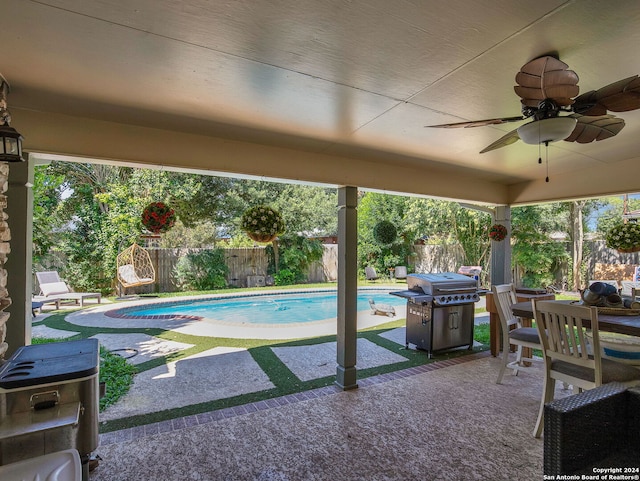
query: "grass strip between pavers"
284, 380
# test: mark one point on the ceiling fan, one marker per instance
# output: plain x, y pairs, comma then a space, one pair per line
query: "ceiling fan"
547, 88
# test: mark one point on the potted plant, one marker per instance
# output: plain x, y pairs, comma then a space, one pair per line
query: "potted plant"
624, 237
498, 232
158, 217
262, 223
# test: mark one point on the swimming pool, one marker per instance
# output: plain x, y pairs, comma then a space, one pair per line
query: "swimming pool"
273, 309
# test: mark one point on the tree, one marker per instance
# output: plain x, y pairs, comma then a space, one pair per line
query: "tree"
374, 208
445, 222
47, 195
534, 254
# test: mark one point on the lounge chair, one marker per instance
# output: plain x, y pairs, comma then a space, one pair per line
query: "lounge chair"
400, 272
383, 309
370, 273
53, 288
38, 301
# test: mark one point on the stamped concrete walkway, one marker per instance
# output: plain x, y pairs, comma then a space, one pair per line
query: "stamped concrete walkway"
221, 372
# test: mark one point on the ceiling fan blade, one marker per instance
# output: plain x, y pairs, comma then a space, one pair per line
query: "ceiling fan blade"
595, 128
477, 123
620, 96
503, 141
546, 78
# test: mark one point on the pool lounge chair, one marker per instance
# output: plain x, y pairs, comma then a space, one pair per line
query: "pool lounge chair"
53, 288
384, 309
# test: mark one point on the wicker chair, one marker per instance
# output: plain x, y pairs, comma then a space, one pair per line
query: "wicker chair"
134, 267
598, 428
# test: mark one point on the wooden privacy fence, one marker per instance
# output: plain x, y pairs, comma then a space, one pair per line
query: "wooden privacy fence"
243, 263
246, 263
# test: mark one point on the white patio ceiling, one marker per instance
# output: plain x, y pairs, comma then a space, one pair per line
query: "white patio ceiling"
329, 91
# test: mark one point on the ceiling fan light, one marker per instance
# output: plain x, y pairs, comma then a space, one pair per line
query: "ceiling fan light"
547, 130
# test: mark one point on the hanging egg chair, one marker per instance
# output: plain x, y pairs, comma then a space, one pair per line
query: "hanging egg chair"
134, 267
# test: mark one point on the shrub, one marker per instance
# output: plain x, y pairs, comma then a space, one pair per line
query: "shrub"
296, 255
284, 277
117, 373
202, 270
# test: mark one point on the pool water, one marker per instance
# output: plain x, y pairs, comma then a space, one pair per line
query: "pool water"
266, 309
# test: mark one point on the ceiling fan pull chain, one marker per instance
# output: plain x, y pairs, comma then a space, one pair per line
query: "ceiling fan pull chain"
539, 155
546, 144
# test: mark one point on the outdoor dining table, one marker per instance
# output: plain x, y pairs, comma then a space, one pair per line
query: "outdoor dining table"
622, 324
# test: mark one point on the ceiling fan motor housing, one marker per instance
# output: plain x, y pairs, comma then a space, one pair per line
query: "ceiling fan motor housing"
546, 130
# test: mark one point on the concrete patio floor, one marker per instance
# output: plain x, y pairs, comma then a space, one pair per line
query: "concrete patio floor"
443, 421
436, 421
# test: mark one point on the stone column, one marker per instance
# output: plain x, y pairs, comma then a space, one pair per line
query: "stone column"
19, 263
5, 237
347, 287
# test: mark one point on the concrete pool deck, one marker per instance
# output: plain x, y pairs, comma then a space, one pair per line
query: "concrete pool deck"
220, 372
98, 317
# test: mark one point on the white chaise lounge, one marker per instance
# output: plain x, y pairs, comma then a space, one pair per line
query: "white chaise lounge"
52, 287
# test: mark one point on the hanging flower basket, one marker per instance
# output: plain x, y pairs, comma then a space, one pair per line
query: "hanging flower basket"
384, 232
498, 232
158, 217
262, 223
624, 238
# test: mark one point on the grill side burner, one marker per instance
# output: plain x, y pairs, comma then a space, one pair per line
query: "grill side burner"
440, 310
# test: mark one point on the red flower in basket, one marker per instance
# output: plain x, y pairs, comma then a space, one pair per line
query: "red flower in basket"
498, 232
158, 217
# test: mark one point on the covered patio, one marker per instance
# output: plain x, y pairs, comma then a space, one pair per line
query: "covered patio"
439, 422
330, 93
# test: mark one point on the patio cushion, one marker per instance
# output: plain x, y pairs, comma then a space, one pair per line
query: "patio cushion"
612, 371
527, 334
128, 274
53, 288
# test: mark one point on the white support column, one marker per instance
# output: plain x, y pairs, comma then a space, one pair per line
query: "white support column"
19, 262
347, 287
501, 251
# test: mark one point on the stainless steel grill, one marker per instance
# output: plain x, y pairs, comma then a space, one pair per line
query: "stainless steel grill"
446, 288
49, 401
440, 310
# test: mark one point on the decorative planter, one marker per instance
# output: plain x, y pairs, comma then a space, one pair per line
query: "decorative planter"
628, 251
260, 237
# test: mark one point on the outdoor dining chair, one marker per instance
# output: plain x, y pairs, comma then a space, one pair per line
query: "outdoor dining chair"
513, 332
568, 357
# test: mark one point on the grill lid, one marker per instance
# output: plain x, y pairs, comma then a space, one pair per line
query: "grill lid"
440, 282
447, 288
48, 363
